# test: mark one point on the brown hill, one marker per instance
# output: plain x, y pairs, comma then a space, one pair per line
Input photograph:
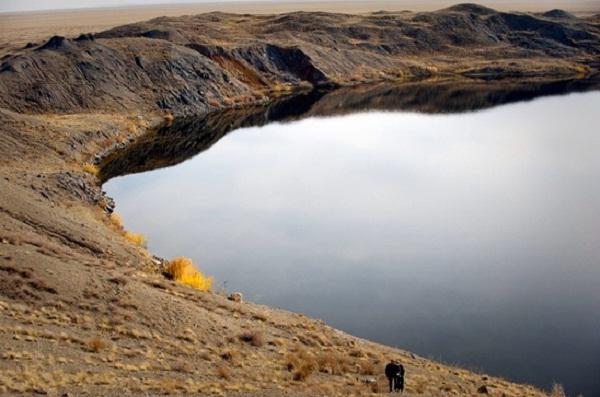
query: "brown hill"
194, 63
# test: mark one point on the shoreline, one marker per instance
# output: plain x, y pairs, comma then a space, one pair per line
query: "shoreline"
142, 277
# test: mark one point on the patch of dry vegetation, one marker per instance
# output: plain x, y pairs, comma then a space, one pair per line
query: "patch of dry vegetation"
183, 271
301, 364
136, 238
255, 338
91, 169
96, 344
116, 220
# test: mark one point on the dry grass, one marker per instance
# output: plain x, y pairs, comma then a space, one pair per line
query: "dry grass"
116, 220
96, 344
302, 364
332, 363
232, 356
369, 368
183, 271
255, 338
136, 238
282, 87
131, 127
421, 385
91, 169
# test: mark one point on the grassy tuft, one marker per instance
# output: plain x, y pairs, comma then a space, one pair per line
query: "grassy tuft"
136, 238
183, 271
91, 169
302, 364
96, 344
255, 338
116, 220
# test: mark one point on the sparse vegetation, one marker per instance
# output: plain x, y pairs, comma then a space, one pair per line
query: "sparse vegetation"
301, 364
116, 220
91, 169
136, 238
169, 118
183, 271
255, 338
96, 344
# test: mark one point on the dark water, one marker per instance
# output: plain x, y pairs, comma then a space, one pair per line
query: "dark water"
470, 237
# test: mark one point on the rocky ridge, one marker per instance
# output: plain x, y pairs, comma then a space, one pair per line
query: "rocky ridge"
192, 64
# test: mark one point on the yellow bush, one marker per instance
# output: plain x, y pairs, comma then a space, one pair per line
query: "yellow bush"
136, 238
90, 169
183, 271
285, 87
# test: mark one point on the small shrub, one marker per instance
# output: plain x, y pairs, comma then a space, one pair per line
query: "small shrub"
301, 364
305, 370
91, 169
183, 271
96, 344
255, 338
233, 356
332, 363
136, 238
116, 220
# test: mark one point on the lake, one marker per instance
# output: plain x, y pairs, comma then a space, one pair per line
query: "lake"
462, 225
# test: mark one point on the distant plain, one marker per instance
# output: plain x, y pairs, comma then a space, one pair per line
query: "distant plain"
19, 28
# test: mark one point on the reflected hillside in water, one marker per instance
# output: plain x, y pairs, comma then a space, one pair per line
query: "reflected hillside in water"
187, 137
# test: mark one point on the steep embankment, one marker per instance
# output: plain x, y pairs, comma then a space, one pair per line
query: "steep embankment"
85, 311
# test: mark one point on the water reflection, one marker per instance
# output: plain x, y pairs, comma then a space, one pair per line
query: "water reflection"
469, 237
189, 136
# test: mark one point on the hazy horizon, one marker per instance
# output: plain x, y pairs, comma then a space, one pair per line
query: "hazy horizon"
47, 5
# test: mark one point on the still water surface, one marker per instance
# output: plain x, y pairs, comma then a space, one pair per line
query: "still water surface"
473, 238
